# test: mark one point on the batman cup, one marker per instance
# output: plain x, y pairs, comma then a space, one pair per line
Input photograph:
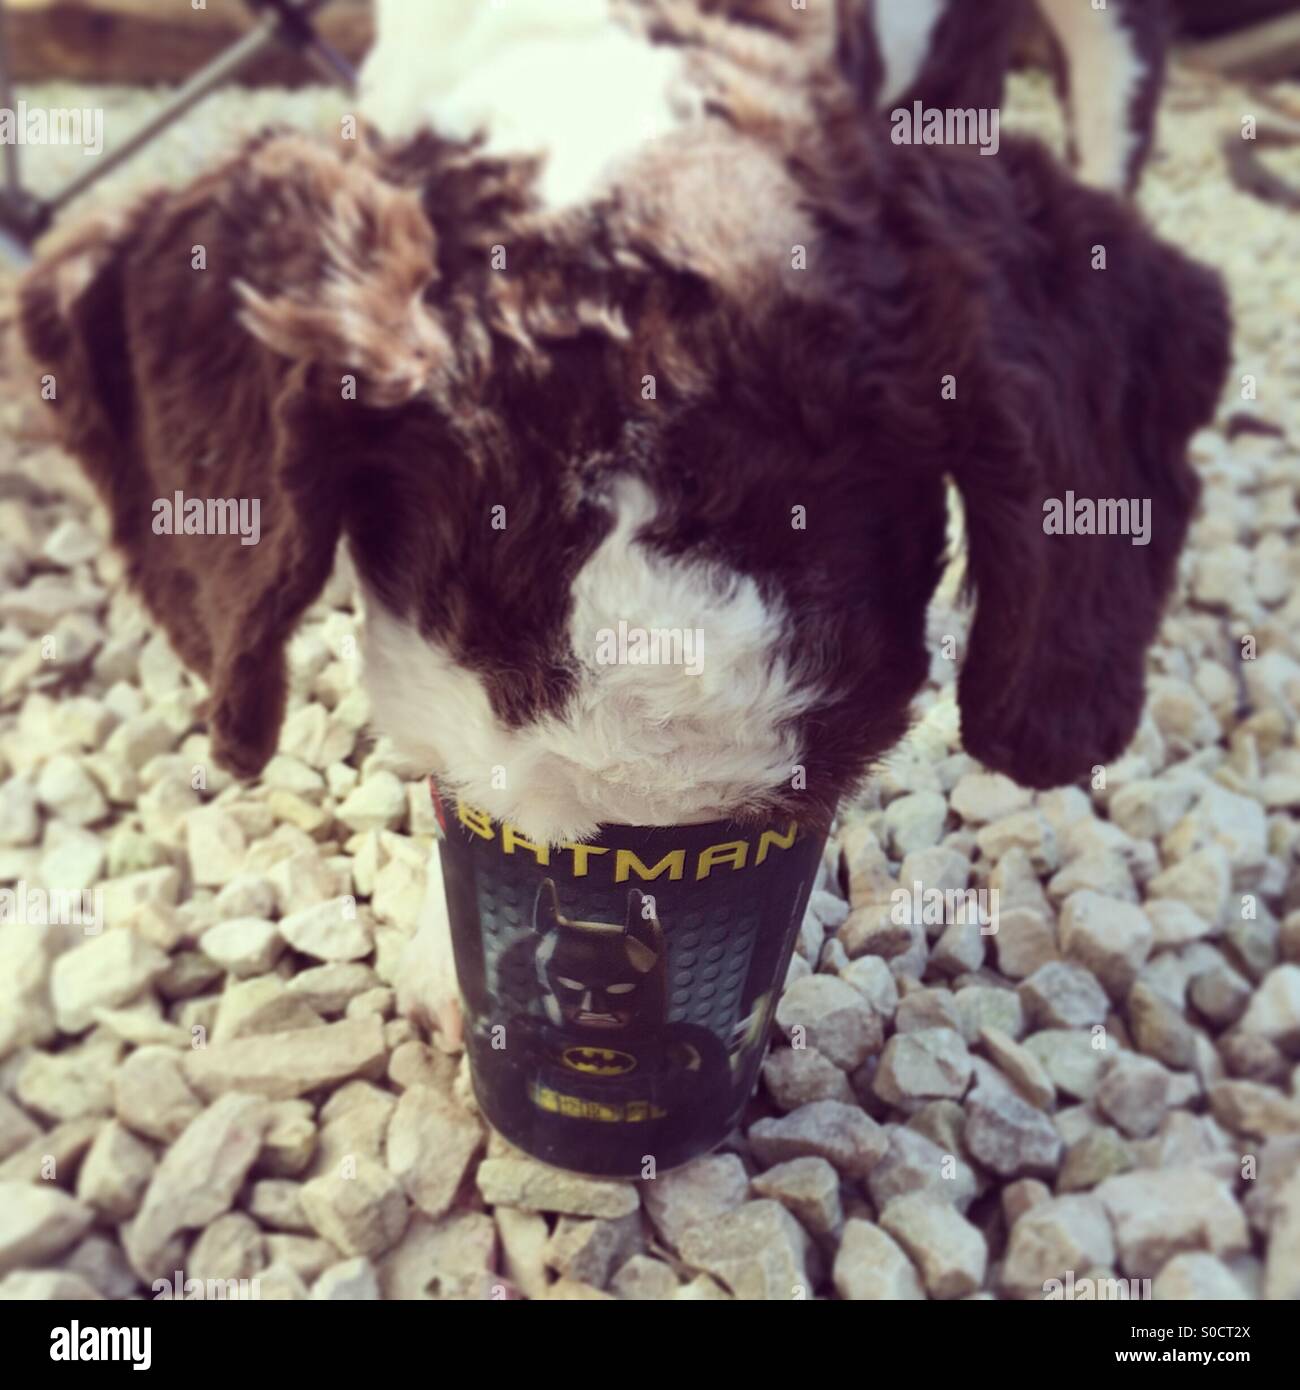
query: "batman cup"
618, 993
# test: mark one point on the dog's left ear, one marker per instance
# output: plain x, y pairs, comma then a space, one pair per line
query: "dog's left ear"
1099, 352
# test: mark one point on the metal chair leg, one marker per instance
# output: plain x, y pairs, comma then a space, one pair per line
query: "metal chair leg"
24, 217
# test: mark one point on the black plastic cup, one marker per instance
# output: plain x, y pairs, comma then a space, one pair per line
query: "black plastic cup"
618, 994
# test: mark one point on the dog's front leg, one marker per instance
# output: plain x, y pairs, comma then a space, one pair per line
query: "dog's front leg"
427, 989
1113, 66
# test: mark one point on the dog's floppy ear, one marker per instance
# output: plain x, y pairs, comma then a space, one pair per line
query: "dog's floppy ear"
224, 463
1100, 352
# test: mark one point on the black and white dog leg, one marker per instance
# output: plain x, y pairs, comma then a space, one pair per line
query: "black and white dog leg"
1112, 56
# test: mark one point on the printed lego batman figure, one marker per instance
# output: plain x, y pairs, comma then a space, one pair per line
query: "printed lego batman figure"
601, 1050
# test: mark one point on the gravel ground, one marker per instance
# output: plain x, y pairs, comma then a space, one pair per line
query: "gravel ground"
1105, 1089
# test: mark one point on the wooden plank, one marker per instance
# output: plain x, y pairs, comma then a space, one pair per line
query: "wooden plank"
146, 41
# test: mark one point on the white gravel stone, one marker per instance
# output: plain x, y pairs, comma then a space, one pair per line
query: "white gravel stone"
196, 1181
1160, 1213
115, 1172
1175, 923
1103, 872
796, 1076
1111, 939
47, 1285
758, 1251
871, 1265
1202, 880
829, 908
826, 1013
379, 803
1007, 1134
1185, 721
431, 1144
102, 972
334, 930
37, 1223
73, 859
809, 1189
65, 789
950, 1253
216, 846
1025, 830
872, 978
1063, 1234
916, 1163
151, 1096
362, 1211
930, 1064
981, 797
1024, 941
244, 946
1282, 1268
140, 737
1072, 1059
698, 1192
1196, 1278
20, 817
915, 822
1061, 995
351, 1281
520, 1181
1237, 824
283, 1065
842, 1134
1151, 806
125, 897
1019, 1066
71, 543
1274, 1011
312, 736
1134, 1092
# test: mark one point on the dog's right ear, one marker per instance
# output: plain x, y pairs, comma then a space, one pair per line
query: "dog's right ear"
225, 461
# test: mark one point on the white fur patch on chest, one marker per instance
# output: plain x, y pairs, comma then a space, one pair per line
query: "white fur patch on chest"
681, 712
559, 78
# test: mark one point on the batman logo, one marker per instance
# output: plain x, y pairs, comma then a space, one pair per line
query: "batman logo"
598, 1061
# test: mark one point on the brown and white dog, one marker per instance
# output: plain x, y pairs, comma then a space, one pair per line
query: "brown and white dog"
712, 379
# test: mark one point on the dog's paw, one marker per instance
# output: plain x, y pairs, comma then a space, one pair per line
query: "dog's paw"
427, 991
